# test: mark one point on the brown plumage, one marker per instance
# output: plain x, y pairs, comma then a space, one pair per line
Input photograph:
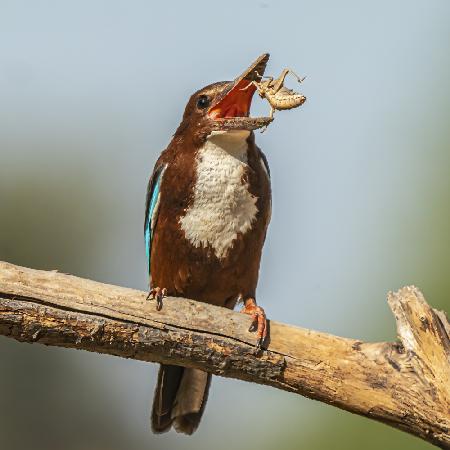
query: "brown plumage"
197, 272
180, 398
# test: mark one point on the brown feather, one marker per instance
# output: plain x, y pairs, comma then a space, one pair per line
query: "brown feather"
196, 272
191, 400
169, 378
180, 399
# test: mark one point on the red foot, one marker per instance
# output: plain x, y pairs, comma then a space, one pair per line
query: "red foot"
259, 321
159, 294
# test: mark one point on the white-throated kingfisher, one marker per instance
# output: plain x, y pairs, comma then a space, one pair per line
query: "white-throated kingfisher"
207, 212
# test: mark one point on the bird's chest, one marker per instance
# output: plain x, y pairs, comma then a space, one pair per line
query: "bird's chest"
222, 206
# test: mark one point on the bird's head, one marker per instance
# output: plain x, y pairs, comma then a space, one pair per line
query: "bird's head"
225, 106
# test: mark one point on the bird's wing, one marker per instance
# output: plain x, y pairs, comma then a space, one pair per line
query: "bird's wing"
265, 166
264, 160
152, 208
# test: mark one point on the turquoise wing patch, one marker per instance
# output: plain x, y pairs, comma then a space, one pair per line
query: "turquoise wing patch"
151, 212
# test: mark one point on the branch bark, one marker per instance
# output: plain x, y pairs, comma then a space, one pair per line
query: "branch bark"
404, 384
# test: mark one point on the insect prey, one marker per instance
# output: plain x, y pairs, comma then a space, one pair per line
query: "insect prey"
278, 96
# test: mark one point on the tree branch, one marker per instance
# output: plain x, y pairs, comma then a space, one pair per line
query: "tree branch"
405, 384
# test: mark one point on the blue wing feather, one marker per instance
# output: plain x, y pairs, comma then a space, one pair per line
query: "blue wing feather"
153, 193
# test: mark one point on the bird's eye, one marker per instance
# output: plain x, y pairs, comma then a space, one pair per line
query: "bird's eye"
202, 101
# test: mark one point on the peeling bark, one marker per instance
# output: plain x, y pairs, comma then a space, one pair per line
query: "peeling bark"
404, 384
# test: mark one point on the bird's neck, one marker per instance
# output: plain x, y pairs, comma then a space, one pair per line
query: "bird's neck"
232, 142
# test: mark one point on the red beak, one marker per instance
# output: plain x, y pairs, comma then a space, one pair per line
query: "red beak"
236, 103
231, 109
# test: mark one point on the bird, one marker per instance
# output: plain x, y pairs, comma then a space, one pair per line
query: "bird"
208, 207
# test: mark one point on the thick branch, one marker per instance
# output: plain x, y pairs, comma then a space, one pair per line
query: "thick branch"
406, 385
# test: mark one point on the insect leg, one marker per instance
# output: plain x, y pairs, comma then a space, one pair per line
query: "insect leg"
279, 82
269, 79
254, 83
300, 80
272, 111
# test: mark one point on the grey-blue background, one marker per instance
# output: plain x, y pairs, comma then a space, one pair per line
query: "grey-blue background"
90, 93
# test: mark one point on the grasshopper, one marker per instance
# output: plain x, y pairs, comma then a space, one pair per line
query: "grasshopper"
278, 96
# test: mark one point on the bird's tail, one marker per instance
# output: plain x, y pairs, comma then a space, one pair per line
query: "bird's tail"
180, 399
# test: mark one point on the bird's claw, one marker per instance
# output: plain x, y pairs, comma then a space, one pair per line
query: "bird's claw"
158, 294
259, 322
258, 346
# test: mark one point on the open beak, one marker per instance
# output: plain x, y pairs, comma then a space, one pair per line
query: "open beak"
231, 109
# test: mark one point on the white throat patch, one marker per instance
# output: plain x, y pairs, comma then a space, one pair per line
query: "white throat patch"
222, 206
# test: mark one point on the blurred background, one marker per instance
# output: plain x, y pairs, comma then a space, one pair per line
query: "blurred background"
91, 92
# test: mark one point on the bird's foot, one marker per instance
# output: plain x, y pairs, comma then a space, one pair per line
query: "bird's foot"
259, 321
158, 294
